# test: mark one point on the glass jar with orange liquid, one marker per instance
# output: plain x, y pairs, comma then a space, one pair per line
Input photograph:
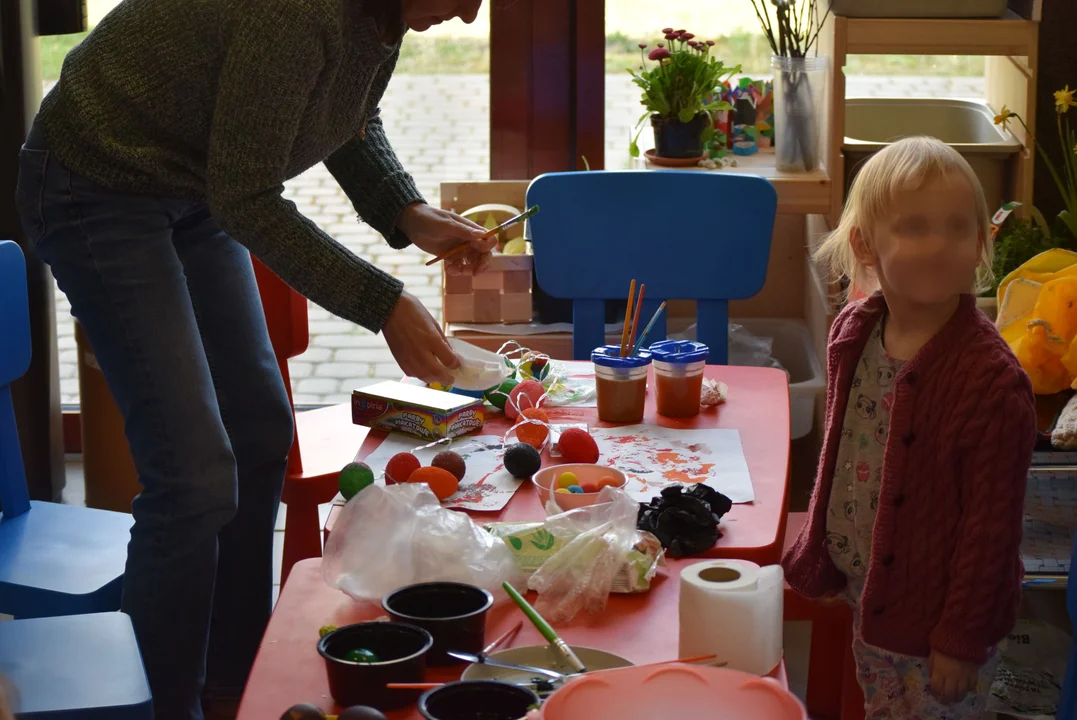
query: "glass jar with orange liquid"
621, 384
678, 376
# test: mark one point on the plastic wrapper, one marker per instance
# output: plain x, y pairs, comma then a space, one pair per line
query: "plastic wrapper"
580, 575
389, 537
532, 545
685, 521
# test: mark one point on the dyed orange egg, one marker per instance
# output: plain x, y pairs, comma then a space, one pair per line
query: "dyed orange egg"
441, 481
530, 433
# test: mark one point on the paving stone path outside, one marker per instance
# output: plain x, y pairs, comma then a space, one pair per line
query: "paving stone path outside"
439, 125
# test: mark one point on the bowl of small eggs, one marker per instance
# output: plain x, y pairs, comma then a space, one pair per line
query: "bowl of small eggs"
575, 485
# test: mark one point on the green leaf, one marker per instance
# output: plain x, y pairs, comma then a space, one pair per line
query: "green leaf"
516, 543
1040, 220
543, 540
1070, 220
687, 115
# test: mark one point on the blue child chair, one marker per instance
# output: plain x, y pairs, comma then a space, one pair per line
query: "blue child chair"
686, 235
54, 559
75, 667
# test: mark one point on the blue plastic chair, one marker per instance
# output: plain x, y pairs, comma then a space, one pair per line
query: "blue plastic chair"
686, 235
77, 667
54, 559
1067, 706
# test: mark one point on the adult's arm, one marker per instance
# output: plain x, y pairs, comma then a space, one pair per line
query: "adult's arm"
274, 56
369, 172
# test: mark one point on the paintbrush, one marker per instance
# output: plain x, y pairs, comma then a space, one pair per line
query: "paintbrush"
489, 233
635, 321
628, 318
545, 630
504, 639
643, 336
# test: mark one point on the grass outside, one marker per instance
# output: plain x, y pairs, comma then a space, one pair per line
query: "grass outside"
424, 55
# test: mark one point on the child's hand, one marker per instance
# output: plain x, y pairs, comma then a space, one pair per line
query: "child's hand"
952, 679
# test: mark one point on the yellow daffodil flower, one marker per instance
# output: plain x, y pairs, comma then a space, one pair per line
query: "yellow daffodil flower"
1003, 118
1064, 99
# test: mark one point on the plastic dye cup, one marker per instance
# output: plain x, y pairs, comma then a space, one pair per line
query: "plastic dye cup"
678, 376
621, 384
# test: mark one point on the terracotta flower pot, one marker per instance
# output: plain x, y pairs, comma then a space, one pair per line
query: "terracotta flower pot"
676, 139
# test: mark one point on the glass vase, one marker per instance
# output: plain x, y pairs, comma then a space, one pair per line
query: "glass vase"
799, 95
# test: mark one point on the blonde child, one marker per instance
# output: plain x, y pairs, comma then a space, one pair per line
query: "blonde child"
917, 510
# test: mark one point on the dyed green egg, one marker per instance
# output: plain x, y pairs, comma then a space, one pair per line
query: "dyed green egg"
353, 478
361, 655
499, 396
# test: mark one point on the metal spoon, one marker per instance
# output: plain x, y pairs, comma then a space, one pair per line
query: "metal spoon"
483, 659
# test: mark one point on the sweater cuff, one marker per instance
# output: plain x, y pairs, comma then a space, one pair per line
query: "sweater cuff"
951, 642
395, 192
381, 301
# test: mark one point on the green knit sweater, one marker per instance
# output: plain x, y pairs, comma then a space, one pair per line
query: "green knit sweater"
222, 101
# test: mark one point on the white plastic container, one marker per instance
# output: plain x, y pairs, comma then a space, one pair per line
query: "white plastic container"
794, 349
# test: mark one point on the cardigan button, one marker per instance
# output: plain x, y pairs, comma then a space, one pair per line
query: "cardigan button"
899, 500
878, 610
912, 378
909, 439
888, 560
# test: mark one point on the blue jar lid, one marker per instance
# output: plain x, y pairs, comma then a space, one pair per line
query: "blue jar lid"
610, 356
679, 352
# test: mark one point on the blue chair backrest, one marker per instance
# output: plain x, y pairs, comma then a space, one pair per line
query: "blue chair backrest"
1067, 706
14, 360
686, 235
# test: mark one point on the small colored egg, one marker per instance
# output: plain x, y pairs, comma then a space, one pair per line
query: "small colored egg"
361, 655
575, 489
566, 491
516, 246
590, 487
325, 630
361, 712
607, 481
566, 479
304, 711
353, 478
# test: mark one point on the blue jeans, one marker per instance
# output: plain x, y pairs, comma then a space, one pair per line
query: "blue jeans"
170, 305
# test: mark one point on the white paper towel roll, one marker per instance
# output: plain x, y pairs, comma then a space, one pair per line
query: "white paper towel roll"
732, 609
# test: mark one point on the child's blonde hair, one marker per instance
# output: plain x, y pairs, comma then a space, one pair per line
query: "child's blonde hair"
907, 164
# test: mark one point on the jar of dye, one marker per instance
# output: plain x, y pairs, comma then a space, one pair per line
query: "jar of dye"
621, 384
678, 376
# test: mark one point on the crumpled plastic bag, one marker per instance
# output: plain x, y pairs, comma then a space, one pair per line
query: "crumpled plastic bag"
1037, 316
580, 575
685, 521
745, 349
390, 537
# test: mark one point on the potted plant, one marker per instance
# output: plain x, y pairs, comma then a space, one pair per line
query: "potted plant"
1021, 239
677, 92
792, 28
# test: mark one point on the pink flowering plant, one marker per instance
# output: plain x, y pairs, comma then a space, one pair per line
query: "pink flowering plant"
680, 84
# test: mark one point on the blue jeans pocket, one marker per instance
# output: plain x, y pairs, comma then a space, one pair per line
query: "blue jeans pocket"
29, 191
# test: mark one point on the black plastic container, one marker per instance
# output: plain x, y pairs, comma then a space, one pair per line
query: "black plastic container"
453, 613
401, 650
477, 700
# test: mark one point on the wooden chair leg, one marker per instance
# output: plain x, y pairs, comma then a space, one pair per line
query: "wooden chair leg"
829, 646
302, 537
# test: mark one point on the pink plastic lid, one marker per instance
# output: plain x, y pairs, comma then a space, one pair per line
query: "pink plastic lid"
673, 690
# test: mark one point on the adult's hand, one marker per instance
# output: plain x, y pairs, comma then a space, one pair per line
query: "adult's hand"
435, 231
417, 343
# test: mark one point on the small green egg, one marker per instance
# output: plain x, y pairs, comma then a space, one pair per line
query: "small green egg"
353, 478
499, 396
361, 655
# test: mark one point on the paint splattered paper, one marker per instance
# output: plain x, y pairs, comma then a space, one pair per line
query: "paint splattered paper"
654, 457
487, 486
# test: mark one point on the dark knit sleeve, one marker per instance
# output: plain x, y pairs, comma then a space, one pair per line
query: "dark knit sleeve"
984, 590
274, 55
369, 172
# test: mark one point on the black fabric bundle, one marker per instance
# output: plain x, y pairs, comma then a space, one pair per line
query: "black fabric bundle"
685, 521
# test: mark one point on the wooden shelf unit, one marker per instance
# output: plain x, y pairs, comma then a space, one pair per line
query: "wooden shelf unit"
1010, 43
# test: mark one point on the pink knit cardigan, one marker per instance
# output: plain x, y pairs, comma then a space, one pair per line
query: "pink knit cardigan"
945, 571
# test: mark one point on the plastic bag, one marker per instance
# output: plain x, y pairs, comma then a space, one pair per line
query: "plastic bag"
389, 537
479, 369
745, 349
580, 575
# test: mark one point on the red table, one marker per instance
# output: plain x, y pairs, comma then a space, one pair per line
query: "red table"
642, 628
758, 406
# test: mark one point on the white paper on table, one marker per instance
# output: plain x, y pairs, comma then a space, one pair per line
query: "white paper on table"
486, 486
655, 457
